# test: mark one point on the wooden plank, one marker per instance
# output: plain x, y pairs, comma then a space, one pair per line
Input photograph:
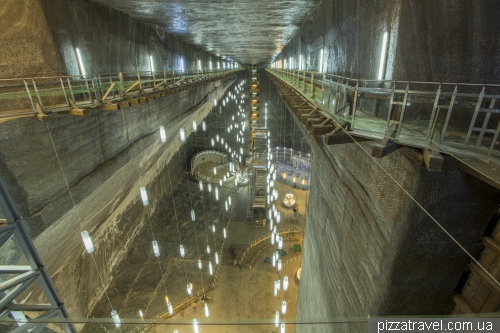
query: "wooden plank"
108, 107
41, 116
491, 283
124, 104
321, 129
132, 86
380, 150
491, 244
386, 146
313, 121
341, 138
108, 91
4, 119
462, 304
433, 160
75, 112
479, 175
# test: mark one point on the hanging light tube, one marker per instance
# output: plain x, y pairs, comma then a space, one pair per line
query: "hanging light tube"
224, 232
80, 62
285, 283
183, 135
156, 249
181, 247
87, 241
116, 318
382, 56
208, 249
144, 196
283, 307
216, 258
170, 308
276, 320
162, 134
200, 265
151, 63
210, 268
193, 216
195, 127
201, 185
206, 310
321, 61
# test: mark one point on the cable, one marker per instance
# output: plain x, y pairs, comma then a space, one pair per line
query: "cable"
77, 213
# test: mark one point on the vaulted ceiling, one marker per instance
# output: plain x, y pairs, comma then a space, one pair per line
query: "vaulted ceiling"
246, 31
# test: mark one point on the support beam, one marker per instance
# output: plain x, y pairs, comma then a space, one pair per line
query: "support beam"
491, 244
485, 168
321, 129
493, 284
386, 146
462, 305
433, 160
12, 269
341, 138
75, 112
40, 115
382, 149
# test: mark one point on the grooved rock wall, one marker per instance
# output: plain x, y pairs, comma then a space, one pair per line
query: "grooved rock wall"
107, 198
371, 250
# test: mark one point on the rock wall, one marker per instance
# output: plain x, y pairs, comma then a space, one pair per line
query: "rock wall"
444, 41
370, 249
105, 156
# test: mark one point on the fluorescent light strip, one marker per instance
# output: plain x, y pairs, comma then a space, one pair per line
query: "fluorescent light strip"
321, 61
80, 62
382, 56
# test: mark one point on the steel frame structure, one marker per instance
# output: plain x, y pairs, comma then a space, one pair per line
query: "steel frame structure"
25, 275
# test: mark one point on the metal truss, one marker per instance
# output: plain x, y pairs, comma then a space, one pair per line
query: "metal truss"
25, 275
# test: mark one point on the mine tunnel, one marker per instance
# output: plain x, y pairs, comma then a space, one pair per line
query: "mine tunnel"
248, 166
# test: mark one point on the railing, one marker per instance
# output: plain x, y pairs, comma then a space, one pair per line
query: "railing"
26, 97
455, 118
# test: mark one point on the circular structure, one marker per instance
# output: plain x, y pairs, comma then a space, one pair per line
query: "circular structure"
289, 200
209, 166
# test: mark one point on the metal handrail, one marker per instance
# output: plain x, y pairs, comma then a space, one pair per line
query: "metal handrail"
455, 118
23, 97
